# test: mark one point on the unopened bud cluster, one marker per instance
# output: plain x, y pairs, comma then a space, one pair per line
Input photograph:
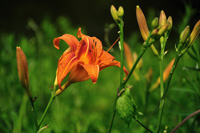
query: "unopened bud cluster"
161, 25
117, 14
186, 39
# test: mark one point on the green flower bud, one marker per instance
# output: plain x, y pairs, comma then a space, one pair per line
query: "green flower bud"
120, 12
169, 20
114, 13
184, 35
195, 32
154, 23
162, 39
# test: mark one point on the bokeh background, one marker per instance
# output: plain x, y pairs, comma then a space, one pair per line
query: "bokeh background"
84, 107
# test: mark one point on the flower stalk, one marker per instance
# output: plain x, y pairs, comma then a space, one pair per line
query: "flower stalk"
48, 106
161, 107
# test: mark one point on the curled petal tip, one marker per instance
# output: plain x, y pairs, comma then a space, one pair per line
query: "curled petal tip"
56, 42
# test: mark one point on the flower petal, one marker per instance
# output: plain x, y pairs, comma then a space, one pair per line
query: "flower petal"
78, 74
82, 50
93, 71
112, 63
65, 64
105, 56
71, 40
89, 48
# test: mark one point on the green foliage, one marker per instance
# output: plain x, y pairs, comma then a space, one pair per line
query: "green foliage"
126, 106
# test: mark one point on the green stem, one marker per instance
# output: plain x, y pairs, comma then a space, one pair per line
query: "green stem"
144, 48
34, 112
113, 117
162, 101
142, 125
171, 74
47, 107
163, 41
121, 24
182, 122
121, 86
134, 66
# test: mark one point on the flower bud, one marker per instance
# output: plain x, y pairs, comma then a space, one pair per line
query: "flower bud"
184, 35
114, 13
142, 23
163, 29
120, 12
162, 19
169, 20
22, 67
162, 39
154, 23
154, 32
195, 32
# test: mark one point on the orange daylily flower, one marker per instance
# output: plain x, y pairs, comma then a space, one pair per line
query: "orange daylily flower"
83, 59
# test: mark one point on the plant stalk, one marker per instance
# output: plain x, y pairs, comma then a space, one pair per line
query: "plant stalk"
161, 62
121, 24
48, 106
121, 86
34, 112
134, 66
142, 125
171, 74
187, 118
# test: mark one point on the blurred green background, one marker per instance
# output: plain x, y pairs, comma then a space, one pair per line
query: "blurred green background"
85, 107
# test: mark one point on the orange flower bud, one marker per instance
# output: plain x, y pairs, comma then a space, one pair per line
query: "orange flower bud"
22, 68
189, 40
195, 32
163, 29
142, 23
162, 19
